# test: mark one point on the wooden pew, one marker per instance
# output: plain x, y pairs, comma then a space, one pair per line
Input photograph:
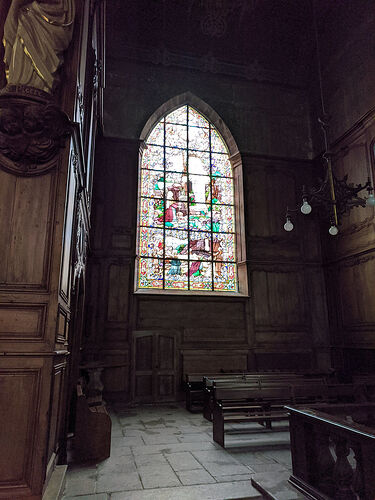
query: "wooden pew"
236, 404
264, 404
252, 381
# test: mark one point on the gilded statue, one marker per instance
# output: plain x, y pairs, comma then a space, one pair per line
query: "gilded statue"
36, 34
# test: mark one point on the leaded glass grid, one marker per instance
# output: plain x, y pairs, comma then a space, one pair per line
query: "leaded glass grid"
186, 222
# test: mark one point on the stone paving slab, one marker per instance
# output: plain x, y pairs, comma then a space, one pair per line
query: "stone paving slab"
165, 453
108, 483
276, 486
183, 461
224, 491
199, 476
158, 476
98, 496
172, 448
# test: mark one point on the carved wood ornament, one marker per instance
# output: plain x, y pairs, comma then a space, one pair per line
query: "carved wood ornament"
32, 130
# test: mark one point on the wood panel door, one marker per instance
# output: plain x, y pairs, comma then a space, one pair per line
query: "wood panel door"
155, 370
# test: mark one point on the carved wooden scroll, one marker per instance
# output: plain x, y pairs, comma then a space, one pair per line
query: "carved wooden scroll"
32, 130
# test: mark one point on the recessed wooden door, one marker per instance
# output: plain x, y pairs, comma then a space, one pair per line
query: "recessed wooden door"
155, 370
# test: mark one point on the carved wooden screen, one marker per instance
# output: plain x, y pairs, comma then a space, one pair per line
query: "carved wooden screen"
186, 223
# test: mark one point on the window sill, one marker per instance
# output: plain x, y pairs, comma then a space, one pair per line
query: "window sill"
189, 293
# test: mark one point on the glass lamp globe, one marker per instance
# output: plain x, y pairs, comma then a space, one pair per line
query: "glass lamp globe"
288, 226
306, 207
370, 202
333, 230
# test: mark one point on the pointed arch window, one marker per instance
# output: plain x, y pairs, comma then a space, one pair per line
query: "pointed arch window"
186, 213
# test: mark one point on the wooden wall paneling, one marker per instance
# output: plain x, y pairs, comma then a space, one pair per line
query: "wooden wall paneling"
118, 293
199, 319
213, 360
279, 297
22, 322
356, 291
7, 196
28, 209
316, 297
116, 377
25, 397
57, 412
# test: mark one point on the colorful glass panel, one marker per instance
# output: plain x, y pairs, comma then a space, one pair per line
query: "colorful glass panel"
186, 231
175, 160
177, 116
176, 215
150, 273
196, 119
225, 277
200, 188
199, 138
221, 166
175, 186
151, 242
175, 135
152, 212
223, 246
176, 274
217, 143
157, 135
222, 218
222, 190
153, 157
200, 246
176, 244
152, 184
200, 275
200, 217
199, 163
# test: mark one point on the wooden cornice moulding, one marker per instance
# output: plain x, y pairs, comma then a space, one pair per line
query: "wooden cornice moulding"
34, 354
33, 130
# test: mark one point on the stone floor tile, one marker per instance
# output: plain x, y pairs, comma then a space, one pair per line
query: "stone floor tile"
235, 477
194, 438
281, 456
269, 468
172, 448
118, 482
98, 496
222, 468
251, 457
222, 491
212, 455
160, 439
158, 476
117, 465
128, 441
80, 485
153, 459
199, 476
183, 461
120, 451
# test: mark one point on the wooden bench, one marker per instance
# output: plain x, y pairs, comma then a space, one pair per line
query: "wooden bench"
194, 385
265, 404
251, 381
236, 404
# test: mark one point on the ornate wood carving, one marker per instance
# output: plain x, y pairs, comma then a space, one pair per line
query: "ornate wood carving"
32, 130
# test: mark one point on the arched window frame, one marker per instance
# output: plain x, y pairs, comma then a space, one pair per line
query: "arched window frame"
236, 162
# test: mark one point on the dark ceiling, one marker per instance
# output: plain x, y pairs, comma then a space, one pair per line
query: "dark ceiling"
275, 35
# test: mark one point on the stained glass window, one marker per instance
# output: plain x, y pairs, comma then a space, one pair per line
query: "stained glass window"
186, 225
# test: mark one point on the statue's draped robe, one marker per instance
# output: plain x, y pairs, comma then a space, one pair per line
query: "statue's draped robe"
35, 40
